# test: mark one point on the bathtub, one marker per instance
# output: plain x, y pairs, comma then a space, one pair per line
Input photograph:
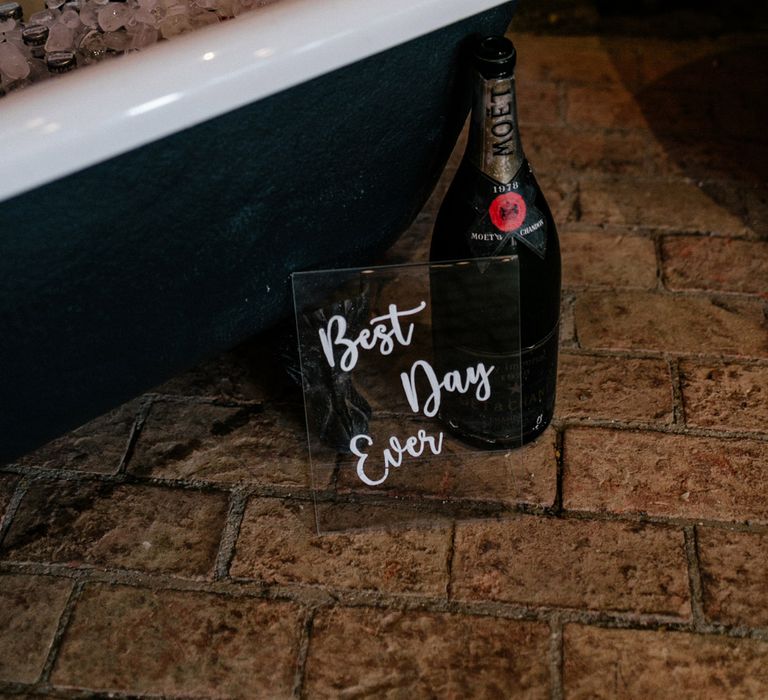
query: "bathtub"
153, 207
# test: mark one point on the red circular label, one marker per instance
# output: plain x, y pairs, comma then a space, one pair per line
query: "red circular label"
507, 211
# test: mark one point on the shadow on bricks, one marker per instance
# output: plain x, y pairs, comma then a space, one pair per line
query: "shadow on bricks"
707, 108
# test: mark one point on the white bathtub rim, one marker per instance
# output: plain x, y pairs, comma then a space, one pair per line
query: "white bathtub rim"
63, 126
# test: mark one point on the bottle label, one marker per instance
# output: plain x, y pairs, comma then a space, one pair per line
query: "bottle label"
538, 375
505, 215
522, 399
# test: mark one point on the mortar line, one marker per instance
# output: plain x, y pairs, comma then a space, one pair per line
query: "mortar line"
663, 428
255, 404
661, 284
302, 655
599, 176
266, 491
449, 562
694, 578
61, 628
557, 506
556, 658
319, 596
575, 204
47, 690
660, 521
562, 105
645, 354
138, 423
715, 296
641, 230
13, 506
230, 533
678, 405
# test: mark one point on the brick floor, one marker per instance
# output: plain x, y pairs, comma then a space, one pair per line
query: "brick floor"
169, 548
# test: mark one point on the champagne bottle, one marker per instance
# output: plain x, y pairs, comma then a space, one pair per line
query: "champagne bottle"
494, 208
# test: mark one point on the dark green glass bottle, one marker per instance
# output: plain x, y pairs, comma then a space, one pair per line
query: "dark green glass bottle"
494, 207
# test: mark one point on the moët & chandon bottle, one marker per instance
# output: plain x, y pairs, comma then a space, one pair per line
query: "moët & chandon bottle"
494, 208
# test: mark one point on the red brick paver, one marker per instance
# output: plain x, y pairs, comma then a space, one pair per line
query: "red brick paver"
97, 446
725, 395
380, 653
634, 664
210, 442
622, 471
570, 150
708, 263
679, 205
278, 544
589, 60
734, 570
668, 323
30, 607
132, 527
572, 563
614, 388
615, 260
180, 643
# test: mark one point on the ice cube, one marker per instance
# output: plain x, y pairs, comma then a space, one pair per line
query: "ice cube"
60, 38
117, 41
175, 24
46, 17
142, 35
204, 18
89, 15
113, 16
13, 63
92, 47
70, 18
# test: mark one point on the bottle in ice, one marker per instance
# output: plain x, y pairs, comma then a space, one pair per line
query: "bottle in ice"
494, 208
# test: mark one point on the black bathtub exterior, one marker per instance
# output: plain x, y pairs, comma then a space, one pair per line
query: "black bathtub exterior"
118, 277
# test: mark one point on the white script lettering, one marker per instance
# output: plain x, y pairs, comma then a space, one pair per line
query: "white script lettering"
451, 382
413, 446
386, 331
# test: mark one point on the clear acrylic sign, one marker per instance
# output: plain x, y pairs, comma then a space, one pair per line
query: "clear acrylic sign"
411, 378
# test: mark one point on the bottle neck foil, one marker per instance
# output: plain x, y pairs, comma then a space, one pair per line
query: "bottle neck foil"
494, 145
